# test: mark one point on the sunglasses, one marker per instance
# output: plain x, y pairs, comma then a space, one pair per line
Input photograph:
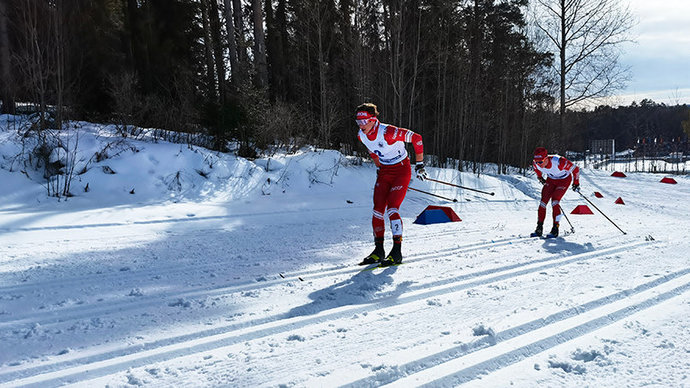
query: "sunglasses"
364, 122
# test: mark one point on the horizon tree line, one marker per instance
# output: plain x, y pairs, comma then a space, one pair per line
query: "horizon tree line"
471, 76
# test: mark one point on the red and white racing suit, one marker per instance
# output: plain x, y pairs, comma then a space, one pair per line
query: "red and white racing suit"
386, 145
559, 172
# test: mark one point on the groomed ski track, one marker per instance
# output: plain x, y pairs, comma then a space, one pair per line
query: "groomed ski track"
351, 327
113, 361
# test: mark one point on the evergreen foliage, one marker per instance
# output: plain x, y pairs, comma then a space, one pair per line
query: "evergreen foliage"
463, 74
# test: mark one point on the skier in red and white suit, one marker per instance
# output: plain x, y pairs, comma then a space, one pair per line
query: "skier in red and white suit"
386, 145
559, 173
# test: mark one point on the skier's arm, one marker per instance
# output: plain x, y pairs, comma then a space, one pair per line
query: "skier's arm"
394, 134
576, 176
375, 158
536, 170
418, 146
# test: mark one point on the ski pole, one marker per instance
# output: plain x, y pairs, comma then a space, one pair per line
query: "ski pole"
458, 186
602, 213
425, 192
572, 229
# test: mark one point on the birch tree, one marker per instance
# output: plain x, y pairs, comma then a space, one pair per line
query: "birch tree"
586, 38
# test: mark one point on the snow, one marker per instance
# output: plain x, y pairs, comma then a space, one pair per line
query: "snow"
655, 165
220, 271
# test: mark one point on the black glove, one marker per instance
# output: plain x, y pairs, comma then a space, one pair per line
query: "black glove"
421, 172
576, 187
542, 180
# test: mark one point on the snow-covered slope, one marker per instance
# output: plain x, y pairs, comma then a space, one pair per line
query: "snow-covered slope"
245, 275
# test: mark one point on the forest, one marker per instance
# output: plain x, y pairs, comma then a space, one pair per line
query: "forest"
477, 78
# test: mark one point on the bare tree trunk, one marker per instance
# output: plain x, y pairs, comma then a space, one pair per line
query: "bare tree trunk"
242, 57
60, 40
276, 67
475, 84
6, 93
32, 57
586, 35
232, 41
323, 98
415, 68
319, 18
217, 48
259, 45
208, 51
393, 38
43, 39
562, 72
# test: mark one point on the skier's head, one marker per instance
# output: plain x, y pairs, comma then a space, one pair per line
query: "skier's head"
540, 154
365, 115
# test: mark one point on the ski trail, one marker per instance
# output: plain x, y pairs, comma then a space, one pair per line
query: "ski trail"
118, 275
74, 312
152, 300
434, 360
517, 348
271, 214
99, 364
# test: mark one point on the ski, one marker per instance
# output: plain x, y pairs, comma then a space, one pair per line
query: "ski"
548, 236
379, 266
364, 262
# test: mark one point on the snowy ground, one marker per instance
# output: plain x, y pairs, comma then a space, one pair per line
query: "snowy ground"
227, 278
641, 165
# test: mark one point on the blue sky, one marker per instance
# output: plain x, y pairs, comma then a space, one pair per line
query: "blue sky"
660, 57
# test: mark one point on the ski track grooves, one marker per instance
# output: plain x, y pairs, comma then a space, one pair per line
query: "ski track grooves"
542, 343
23, 288
113, 361
171, 220
88, 310
536, 347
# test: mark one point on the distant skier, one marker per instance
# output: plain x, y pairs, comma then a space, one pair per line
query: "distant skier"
386, 145
559, 173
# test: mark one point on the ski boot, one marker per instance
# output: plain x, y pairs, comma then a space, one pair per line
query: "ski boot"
539, 230
395, 255
377, 254
554, 231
